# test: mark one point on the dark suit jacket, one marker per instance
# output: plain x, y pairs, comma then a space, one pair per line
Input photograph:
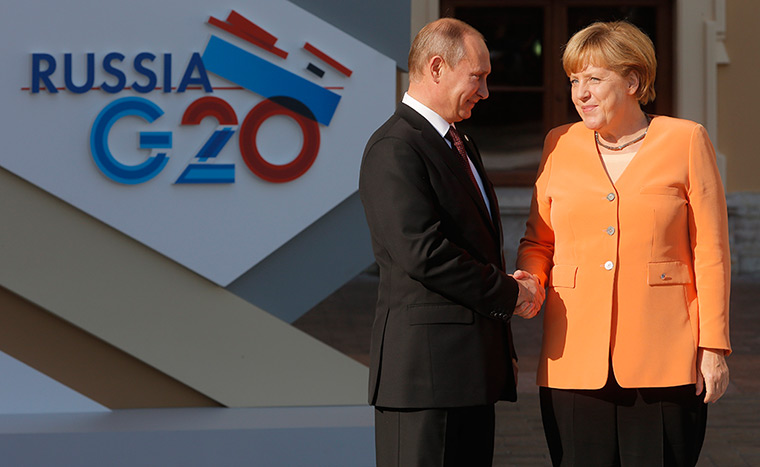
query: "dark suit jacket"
441, 335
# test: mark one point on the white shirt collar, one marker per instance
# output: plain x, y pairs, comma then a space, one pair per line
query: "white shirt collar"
438, 122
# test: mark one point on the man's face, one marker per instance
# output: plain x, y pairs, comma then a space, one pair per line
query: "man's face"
465, 84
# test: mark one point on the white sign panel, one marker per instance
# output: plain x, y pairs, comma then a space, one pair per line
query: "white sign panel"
212, 133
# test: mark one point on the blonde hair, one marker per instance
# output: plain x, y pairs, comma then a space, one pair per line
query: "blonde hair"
619, 46
444, 37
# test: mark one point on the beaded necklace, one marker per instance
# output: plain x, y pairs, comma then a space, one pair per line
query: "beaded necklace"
623, 146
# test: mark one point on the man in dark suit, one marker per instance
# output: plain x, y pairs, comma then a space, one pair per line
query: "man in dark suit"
441, 352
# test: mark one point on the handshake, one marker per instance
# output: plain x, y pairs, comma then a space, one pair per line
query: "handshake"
531, 295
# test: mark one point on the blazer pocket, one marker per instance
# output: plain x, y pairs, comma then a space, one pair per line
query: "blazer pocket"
660, 190
668, 273
439, 313
563, 276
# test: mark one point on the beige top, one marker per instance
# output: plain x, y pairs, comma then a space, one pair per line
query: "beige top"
616, 163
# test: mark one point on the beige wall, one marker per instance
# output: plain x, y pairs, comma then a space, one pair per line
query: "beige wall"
85, 363
101, 294
738, 97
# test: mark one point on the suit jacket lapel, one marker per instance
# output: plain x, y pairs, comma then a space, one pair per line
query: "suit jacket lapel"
488, 187
452, 159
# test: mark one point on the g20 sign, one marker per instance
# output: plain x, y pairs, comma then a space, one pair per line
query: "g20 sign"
213, 138
286, 94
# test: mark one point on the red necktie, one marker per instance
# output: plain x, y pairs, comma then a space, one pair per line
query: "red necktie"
453, 136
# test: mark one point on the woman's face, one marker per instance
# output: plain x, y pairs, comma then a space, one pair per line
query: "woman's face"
601, 97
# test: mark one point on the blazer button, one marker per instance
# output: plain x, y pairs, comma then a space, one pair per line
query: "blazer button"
610, 230
611, 197
609, 265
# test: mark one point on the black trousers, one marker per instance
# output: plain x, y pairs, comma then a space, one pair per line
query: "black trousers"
462, 436
614, 426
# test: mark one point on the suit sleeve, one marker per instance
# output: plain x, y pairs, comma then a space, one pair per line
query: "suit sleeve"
404, 218
708, 232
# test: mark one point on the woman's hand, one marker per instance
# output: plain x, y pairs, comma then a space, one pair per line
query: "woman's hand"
712, 373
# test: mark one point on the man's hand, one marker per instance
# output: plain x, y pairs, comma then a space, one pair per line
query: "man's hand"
531, 295
712, 373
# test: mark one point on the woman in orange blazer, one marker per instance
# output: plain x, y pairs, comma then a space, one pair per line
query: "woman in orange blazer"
628, 230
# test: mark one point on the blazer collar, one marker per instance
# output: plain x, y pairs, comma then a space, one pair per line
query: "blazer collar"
437, 122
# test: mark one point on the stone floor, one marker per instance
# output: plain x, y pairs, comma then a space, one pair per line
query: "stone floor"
344, 320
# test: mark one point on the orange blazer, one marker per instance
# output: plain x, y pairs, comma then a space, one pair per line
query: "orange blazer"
637, 271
